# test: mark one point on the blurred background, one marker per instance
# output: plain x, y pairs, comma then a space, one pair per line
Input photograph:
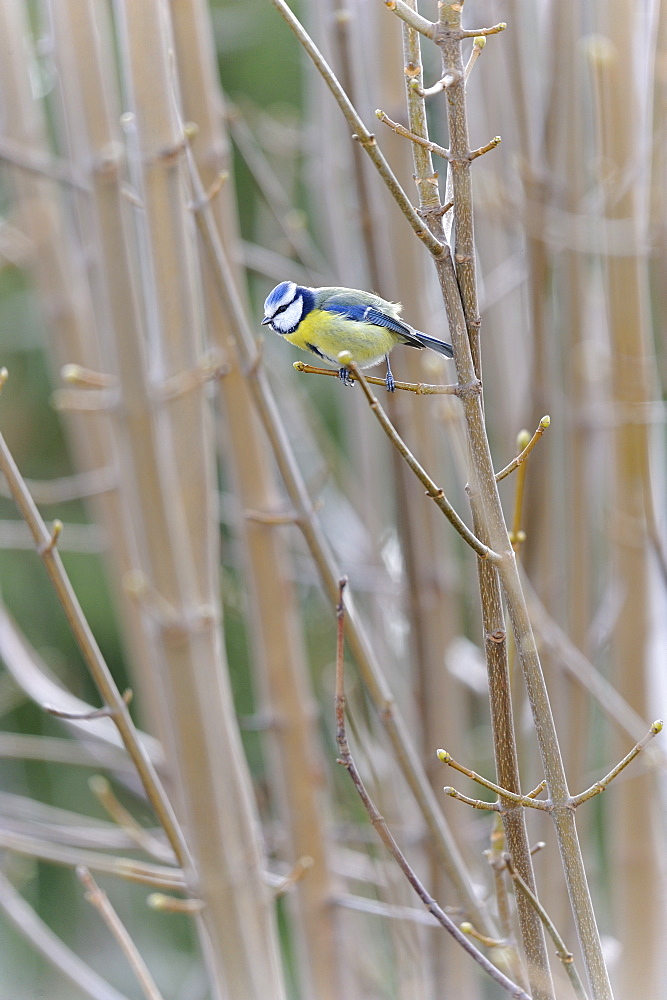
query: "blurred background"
211, 495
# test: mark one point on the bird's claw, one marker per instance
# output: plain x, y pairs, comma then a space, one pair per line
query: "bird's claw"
345, 375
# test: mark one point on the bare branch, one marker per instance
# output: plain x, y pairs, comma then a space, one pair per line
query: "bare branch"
46, 943
432, 490
364, 137
411, 17
564, 954
383, 831
432, 147
523, 455
144, 872
482, 32
420, 388
91, 652
604, 783
100, 901
520, 800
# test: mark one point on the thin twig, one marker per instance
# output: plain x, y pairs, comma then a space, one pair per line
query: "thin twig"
380, 825
101, 789
420, 388
495, 857
364, 137
411, 17
78, 486
484, 939
486, 148
174, 904
87, 716
144, 872
57, 750
99, 899
36, 161
378, 908
99, 670
474, 803
603, 783
478, 45
432, 490
522, 456
298, 870
482, 32
564, 954
42, 939
399, 129
521, 800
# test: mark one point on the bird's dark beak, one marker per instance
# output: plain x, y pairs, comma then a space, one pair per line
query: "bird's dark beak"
266, 321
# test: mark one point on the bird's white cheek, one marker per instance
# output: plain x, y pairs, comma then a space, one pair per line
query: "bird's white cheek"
289, 318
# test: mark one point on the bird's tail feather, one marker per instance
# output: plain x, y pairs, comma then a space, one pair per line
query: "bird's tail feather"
436, 345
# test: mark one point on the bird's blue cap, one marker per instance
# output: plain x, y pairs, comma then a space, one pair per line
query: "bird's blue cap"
281, 295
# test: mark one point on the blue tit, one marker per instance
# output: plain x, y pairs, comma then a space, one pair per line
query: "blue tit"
326, 321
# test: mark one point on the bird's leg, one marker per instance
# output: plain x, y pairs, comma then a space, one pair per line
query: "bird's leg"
345, 376
389, 381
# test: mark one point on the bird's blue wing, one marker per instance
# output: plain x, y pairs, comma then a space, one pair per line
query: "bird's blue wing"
363, 313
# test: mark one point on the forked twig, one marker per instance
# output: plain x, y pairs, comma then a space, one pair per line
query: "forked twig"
530, 800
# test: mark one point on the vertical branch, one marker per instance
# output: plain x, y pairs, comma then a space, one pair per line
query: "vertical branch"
273, 621
495, 640
450, 29
490, 524
166, 447
380, 825
623, 106
449, 41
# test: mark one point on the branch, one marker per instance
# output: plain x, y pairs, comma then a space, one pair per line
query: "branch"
380, 825
111, 696
475, 803
523, 455
486, 148
46, 943
563, 953
36, 161
432, 147
432, 490
603, 783
521, 800
364, 137
369, 668
101, 789
144, 872
482, 32
420, 388
411, 17
100, 901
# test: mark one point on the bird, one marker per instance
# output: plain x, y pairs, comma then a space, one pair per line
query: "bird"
332, 319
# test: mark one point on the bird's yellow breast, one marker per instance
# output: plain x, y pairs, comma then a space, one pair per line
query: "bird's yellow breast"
327, 334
